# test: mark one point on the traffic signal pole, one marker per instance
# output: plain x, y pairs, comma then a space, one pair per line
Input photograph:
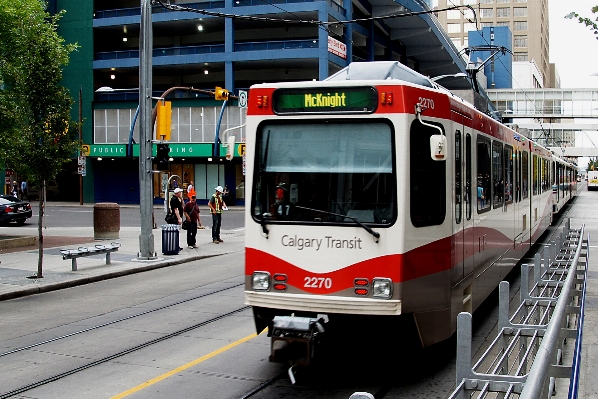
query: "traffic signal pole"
146, 133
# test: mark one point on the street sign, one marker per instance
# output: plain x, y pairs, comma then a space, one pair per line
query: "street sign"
242, 99
81, 160
85, 149
241, 149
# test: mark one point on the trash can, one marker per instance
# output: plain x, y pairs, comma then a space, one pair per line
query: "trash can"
170, 239
106, 221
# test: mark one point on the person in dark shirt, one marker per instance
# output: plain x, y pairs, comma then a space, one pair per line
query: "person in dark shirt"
191, 211
176, 205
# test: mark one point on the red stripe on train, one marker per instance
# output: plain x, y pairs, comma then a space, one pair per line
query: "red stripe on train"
429, 259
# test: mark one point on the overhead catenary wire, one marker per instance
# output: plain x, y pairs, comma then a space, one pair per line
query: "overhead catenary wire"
179, 8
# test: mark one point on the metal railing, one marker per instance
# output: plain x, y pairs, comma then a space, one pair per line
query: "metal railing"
525, 358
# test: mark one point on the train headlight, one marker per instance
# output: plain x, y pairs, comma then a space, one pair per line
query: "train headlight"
260, 281
382, 288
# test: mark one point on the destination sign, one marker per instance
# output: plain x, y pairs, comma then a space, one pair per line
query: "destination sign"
325, 100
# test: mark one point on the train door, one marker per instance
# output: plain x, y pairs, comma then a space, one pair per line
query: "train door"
462, 206
468, 255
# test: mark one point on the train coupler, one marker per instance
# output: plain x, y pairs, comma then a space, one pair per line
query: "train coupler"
294, 339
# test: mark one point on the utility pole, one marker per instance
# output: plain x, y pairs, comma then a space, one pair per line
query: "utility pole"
146, 129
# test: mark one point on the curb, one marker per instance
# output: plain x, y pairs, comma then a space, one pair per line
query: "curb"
86, 280
16, 242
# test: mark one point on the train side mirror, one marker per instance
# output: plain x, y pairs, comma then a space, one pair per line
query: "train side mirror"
438, 147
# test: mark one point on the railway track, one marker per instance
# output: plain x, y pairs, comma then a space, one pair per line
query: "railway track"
120, 353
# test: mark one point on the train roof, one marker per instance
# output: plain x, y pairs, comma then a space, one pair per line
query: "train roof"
381, 70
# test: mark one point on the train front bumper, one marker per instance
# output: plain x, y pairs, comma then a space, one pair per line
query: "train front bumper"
324, 303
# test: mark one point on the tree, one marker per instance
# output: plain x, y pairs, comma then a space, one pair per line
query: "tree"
37, 134
592, 24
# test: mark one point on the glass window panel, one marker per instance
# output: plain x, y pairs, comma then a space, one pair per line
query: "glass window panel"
112, 126
484, 183
319, 172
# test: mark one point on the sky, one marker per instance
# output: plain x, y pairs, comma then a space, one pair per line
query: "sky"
573, 47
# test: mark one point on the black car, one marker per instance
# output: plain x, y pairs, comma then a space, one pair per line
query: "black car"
13, 209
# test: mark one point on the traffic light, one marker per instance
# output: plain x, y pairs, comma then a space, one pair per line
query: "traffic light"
163, 120
162, 157
220, 93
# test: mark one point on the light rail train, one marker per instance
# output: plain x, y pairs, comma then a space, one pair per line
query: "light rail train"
378, 198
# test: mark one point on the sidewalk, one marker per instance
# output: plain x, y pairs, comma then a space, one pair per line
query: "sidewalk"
19, 264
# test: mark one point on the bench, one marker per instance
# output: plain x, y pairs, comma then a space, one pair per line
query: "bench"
73, 254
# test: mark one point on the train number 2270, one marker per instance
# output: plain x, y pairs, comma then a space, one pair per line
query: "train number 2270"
317, 282
426, 103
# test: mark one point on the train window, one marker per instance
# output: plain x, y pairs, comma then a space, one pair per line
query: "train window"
427, 177
535, 175
545, 175
468, 176
458, 174
517, 164
556, 180
508, 174
484, 184
524, 174
498, 181
321, 171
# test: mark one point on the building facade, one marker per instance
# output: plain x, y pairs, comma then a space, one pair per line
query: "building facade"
231, 44
527, 20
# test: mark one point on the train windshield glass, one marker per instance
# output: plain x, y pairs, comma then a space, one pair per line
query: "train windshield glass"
320, 172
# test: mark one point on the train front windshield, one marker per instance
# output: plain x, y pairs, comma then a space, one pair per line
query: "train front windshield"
325, 172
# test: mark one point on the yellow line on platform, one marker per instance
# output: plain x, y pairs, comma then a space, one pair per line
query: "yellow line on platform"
182, 368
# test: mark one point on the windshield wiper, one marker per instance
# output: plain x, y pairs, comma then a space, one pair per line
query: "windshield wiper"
366, 228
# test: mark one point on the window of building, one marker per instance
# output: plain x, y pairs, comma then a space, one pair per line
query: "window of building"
487, 12
486, 1
466, 2
519, 25
467, 13
520, 1
456, 41
520, 41
520, 11
503, 12
453, 28
453, 14
504, 23
520, 57
503, 1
